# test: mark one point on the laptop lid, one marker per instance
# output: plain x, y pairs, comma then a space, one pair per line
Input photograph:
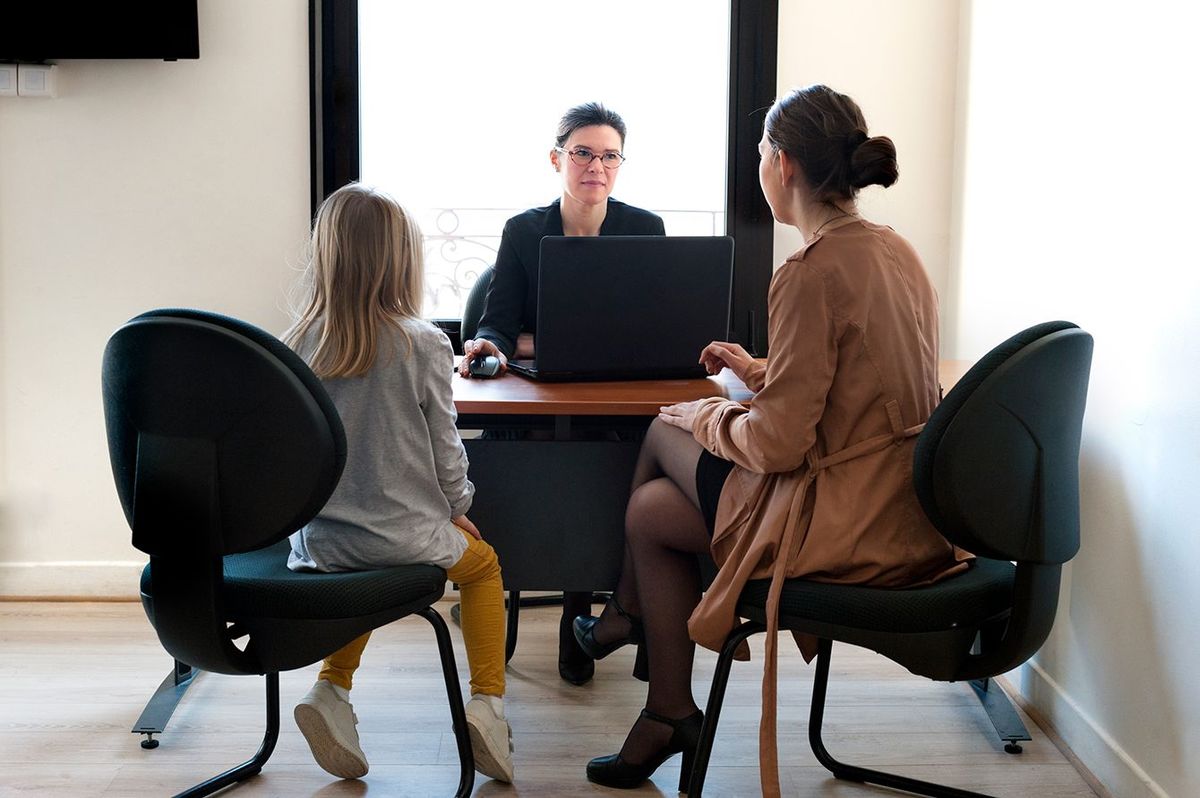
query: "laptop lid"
630, 307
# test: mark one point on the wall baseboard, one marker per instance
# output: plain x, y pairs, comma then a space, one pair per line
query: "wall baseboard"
1096, 749
70, 581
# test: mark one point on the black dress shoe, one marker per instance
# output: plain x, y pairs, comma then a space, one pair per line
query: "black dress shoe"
574, 665
585, 636
585, 632
613, 771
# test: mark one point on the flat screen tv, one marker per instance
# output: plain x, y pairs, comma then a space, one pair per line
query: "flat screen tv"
37, 31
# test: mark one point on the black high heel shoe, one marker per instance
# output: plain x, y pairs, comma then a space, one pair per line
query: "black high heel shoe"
585, 635
613, 771
585, 632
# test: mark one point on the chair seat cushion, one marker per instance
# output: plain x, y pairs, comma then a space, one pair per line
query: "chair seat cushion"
259, 584
966, 600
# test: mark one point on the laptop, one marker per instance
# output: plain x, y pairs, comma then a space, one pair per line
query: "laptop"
629, 307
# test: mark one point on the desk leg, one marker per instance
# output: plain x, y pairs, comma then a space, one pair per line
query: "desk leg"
162, 704
513, 605
514, 615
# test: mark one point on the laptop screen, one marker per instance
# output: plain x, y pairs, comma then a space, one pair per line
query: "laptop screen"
631, 306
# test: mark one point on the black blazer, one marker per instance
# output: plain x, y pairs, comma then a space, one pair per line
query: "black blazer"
511, 305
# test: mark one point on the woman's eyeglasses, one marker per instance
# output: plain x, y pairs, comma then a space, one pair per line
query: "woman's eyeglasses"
582, 156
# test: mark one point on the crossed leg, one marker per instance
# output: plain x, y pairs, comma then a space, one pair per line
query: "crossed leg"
660, 581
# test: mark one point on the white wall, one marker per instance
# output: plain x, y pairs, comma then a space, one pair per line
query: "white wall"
898, 60
1079, 176
144, 184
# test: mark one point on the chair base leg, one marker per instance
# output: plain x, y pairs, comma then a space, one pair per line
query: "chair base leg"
712, 711
847, 772
162, 704
458, 714
840, 770
250, 767
1000, 711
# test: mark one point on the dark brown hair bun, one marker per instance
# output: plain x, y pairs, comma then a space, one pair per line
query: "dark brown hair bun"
826, 134
873, 163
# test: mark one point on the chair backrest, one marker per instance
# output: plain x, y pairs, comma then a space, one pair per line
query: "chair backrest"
997, 467
473, 310
221, 439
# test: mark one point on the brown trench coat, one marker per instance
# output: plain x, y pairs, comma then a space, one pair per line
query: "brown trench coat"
823, 454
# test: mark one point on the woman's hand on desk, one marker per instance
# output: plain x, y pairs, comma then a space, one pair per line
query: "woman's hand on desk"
682, 415
464, 523
725, 354
480, 347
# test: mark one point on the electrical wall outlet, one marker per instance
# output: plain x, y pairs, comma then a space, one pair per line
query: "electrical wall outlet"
37, 80
8, 80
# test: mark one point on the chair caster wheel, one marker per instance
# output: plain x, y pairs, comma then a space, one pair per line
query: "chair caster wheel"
456, 613
149, 743
1012, 748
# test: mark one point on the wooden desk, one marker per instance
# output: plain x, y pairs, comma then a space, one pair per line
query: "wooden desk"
515, 395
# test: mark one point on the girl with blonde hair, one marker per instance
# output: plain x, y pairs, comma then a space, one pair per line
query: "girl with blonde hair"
404, 493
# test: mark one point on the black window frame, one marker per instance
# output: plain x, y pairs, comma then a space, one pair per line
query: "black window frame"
753, 57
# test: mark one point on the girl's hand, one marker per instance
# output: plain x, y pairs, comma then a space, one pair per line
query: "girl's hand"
726, 354
464, 523
682, 415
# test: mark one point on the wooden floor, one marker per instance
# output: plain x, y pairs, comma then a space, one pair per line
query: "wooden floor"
74, 678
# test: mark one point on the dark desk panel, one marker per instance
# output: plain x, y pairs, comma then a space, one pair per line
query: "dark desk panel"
553, 470
553, 510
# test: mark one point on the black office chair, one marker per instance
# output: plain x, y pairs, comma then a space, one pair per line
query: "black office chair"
473, 310
222, 443
997, 471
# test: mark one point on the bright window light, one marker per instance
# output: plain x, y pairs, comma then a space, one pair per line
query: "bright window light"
460, 100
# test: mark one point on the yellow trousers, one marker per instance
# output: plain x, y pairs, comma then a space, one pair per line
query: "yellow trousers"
477, 573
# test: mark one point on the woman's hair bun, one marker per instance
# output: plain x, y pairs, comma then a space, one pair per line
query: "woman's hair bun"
873, 162
826, 134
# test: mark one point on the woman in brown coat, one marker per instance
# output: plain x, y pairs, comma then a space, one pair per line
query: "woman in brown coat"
814, 477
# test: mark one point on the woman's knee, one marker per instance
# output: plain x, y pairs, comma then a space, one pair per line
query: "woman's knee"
661, 516
660, 436
647, 505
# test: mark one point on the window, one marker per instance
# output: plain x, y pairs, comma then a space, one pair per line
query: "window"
452, 106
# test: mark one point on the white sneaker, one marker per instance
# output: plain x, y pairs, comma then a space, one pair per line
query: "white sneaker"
491, 738
327, 721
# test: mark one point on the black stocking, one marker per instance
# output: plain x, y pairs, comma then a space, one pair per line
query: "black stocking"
664, 531
666, 452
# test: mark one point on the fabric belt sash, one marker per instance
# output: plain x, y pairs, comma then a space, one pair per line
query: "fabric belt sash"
767, 742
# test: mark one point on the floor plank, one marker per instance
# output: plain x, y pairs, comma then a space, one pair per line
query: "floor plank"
74, 677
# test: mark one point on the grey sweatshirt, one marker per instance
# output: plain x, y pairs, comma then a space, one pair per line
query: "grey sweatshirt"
406, 469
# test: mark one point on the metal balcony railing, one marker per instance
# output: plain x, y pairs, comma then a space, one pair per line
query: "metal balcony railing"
462, 242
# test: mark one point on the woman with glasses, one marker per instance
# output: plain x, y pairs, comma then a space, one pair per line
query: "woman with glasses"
587, 154
817, 466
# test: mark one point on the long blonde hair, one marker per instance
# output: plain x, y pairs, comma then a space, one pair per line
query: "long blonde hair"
365, 273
